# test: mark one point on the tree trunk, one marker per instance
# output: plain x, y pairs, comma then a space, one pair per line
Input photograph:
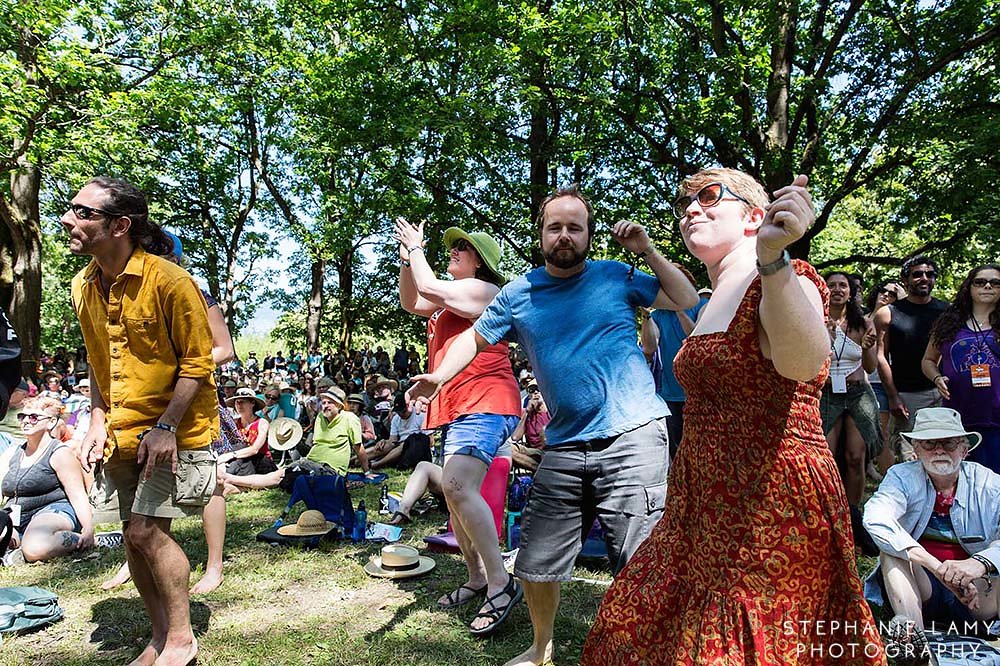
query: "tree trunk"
539, 147
21, 220
345, 280
315, 316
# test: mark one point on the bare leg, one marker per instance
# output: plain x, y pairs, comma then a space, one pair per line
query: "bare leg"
462, 479
854, 458
543, 601
257, 481
214, 522
426, 476
389, 458
49, 535
907, 587
886, 458
160, 571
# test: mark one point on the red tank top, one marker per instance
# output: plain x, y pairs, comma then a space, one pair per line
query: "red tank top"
250, 435
486, 386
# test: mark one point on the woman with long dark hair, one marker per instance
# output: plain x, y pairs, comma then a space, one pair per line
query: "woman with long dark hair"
963, 359
848, 405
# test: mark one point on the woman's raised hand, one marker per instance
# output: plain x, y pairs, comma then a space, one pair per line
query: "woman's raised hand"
787, 219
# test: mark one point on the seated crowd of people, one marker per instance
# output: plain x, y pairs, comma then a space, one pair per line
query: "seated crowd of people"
912, 403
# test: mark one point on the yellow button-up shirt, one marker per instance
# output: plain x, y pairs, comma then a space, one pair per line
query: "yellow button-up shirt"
151, 330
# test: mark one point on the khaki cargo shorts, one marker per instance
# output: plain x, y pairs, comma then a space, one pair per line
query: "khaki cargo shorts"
165, 494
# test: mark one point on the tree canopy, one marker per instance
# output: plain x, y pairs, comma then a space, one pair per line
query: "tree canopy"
303, 127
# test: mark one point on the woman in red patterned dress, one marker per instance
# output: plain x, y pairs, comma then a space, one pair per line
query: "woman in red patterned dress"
753, 561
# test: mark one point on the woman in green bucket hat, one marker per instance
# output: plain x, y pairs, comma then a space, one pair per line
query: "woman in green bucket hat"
481, 406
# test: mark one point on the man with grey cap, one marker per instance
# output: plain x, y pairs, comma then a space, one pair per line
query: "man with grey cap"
936, 521
336, 432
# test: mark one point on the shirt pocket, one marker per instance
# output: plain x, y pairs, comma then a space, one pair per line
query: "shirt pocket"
142, 334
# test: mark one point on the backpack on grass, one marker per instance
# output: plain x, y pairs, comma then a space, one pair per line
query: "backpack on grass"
27, 608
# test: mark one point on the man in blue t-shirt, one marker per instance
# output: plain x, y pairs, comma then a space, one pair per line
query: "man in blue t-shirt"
606, 444
664, 331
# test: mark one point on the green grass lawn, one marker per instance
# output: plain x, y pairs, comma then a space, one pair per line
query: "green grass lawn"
287, 605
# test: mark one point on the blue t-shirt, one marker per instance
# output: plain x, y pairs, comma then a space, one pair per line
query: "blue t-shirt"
579, 334
671, 338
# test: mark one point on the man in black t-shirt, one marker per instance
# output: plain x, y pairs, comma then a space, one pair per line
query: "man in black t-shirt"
904, 329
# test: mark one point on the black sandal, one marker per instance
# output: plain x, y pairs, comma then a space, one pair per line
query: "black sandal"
498, 614
399, 518
455, 600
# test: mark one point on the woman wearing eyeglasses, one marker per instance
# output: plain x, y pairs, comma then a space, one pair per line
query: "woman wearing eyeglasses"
481, 406
43, 486
753, 560
963, 359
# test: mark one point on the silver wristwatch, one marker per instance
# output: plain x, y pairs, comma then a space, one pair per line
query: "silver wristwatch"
776, 265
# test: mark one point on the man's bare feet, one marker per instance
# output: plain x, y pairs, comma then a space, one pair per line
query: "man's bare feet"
123, 576
212, 579
534, 657
147, 657
178, 655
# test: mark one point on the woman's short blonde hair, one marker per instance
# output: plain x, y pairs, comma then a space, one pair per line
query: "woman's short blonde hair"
742, 184
51, 406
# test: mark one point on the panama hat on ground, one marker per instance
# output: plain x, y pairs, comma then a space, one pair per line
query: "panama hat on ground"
310, 523
284, 434
246, 394
336, 394
940, 423
398, 561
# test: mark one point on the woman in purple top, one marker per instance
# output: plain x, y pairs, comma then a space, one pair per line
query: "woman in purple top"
963, 359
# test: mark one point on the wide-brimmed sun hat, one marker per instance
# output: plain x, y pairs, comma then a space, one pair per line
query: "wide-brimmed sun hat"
245, 394
284, 434
487, 248
940, 423
398, 561
310, 523
356, 398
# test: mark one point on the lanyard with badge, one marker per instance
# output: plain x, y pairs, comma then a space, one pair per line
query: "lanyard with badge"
838, 381
980, 371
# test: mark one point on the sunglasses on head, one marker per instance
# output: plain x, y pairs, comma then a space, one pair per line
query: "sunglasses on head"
931, 274
949, 445
708, 196
982, 282
32, 418
462, 245
86, 212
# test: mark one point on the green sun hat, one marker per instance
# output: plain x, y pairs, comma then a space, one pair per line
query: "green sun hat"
487, 248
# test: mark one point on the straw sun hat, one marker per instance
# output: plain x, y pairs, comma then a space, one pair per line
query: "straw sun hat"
310, 523
284, 434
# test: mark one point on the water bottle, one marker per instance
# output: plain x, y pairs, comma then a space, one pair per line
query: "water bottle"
383, 502
360, 523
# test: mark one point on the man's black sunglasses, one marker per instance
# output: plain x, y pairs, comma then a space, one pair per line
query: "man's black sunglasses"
927, 274
87, 212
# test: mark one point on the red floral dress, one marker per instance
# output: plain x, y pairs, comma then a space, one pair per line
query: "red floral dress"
753, 561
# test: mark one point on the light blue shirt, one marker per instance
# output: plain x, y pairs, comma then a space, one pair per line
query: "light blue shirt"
672, 336
899, 511
580, 336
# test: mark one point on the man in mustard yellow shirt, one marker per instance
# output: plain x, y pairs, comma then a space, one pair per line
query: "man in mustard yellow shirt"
154, 411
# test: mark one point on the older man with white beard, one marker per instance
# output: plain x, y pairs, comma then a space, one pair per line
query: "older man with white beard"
936, 521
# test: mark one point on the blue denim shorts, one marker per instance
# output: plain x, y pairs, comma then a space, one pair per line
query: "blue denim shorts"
62, 507
880, 395
478, 435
